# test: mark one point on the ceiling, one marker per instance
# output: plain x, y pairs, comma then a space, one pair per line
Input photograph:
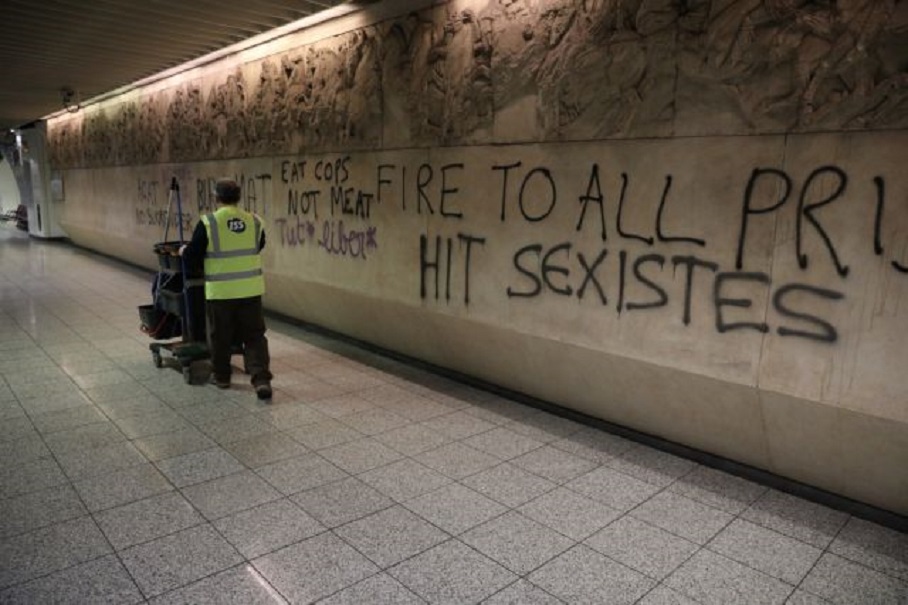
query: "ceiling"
90, 48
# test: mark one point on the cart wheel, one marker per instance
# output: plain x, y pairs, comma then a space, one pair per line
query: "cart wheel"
156, 358
187, 374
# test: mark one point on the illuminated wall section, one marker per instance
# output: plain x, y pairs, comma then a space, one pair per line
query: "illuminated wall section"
693, 224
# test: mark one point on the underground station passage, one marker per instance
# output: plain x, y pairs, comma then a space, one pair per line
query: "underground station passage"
565, 302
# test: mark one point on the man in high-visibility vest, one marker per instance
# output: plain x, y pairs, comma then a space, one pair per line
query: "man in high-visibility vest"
231, 240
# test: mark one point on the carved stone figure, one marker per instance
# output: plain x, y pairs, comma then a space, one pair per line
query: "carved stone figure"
517, 70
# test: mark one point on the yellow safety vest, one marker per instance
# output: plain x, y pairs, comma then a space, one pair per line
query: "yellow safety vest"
233, 266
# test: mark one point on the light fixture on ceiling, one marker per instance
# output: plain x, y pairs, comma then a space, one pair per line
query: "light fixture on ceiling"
69, 100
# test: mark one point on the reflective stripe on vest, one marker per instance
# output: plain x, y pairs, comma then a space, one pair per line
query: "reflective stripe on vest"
233, 267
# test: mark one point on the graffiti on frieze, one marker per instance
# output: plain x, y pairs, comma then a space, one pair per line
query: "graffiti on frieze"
607, 272
324, 210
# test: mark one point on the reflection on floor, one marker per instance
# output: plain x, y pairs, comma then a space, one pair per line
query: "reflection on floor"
365, 481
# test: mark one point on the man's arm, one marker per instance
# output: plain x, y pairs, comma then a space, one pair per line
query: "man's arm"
197, 246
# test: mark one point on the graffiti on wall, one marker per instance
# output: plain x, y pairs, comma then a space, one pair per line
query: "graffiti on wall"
607, 271
585, 248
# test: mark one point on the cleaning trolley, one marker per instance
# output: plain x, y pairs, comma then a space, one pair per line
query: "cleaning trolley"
177, 313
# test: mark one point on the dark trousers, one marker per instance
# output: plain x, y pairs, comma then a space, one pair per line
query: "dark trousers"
231, 322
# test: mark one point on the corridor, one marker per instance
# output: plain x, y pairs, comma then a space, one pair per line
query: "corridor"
366, 481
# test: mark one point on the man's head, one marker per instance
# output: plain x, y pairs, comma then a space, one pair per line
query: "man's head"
227, 191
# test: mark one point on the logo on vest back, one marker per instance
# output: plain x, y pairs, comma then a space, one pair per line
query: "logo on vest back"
237, 225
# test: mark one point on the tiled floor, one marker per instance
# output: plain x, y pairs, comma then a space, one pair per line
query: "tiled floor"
366, 481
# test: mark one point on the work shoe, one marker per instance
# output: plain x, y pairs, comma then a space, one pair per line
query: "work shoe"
263, 391
220, 383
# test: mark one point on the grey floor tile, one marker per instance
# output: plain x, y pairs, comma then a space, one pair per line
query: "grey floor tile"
503, 443
84, 437
313, 390
802, 597
314, 568
349, 379
211, 411
54, 402
843, 582
44, 388
651, 465
71, 418
545, 427
683, 517
499, 410
199, 466
268, 527
236, 429
151, 423
385, 395
569, 513
380, 589
582, 575
451, 574
178, 559
29, 477
104, 378
15, 429
181, 397
522, 592
361, 455
39, 509
612, 488
50, 549
642, 547
80, 464
508, 484
22, 451
10, 410
662, 595
712, 579
404, 479
766, 550
147, 519
390, 536
113, 392
341, 405
300, 473
717, 489
265, 449
593, 445
458, 425
553, 464
324, 434
455, 508
120, 487
374, 421
413, 439
457, 460
517, 542
171, 445
877, 547
342, 501
132, 406
292, 415
417, 409
103, 580
812, 523
240, 585
230, 494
